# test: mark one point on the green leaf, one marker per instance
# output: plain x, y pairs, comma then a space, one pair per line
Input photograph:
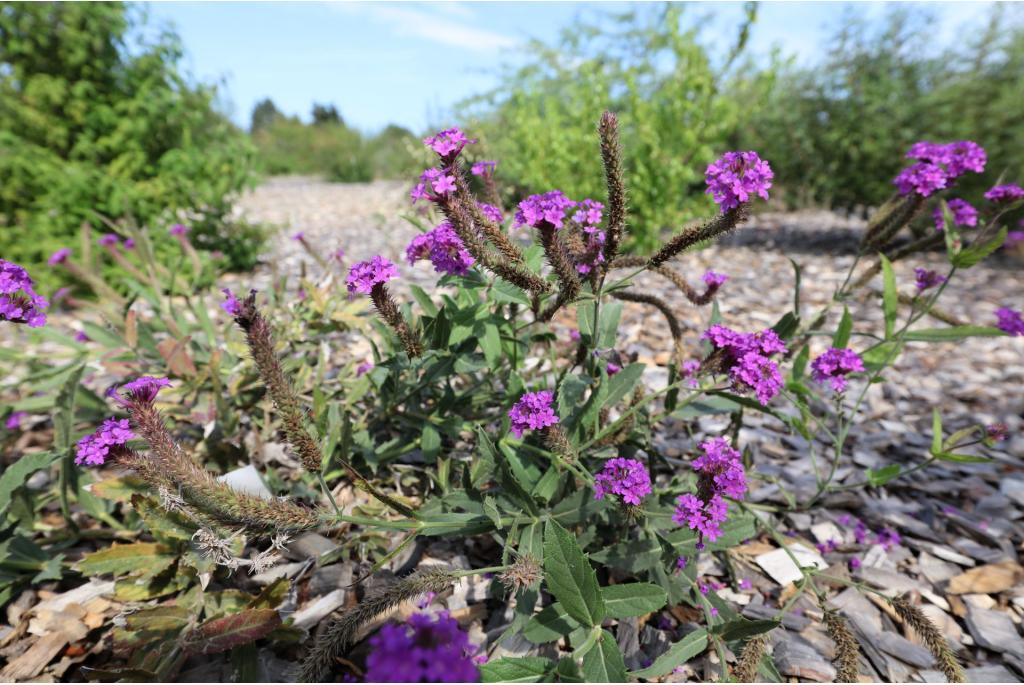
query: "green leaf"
975, 253
149, 558
953, 333
503, 291
222, 634
936, 432
603, 663
569, 576
742, 628
890, 298
490, 343
15, 475
549, 625
678, 654
611, 312
430, 442
877, 477
842, 337
875, 357
421, 297
522, 669
622, 383
787, 325
585, 320
632, 599
797, 271
961, 458
162, 523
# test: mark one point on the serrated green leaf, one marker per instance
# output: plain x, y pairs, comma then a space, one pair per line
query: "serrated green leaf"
162, 523
611, 312
890, 298
522, 669
632, 599
603, 663
622, 383
678, 654
15, 475
585, 320
970, 256
139, 558
569, 576
222, 634
549, 625
741, 628
503, 291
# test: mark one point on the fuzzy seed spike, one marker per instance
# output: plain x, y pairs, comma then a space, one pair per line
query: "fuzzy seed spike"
932, 637
611, 156
690, 236
847, 657
392, 315
653, 300
750, 659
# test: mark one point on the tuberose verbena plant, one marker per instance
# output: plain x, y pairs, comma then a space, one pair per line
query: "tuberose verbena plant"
592, 525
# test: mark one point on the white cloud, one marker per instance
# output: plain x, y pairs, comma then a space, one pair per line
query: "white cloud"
426, 21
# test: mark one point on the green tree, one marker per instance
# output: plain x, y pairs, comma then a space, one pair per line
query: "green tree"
263, 114
89, 126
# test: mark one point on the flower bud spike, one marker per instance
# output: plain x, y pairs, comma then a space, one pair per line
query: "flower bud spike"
690, 236
260, 338
932, 637
611, 156
847, 659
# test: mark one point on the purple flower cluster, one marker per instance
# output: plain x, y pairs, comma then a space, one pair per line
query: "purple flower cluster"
109, 240
13, 422
958, 157
93, 449
589, 216
962, 212
690, 369
19, 302
923, 178
491, 212
364, 368
433, 184
179, 229
714, 280
59, 257
1010, 192
720, 472
142, 390
533, 411
994, 431
364, 275
1009, 321
425, 650
443, 247
747, 357
927, 279
448, 143
735, 176
231, 305
485, 167
834, 365
627, 478
548, 208
1014, 238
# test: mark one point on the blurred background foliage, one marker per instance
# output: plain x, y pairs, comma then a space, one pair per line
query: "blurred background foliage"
97, 118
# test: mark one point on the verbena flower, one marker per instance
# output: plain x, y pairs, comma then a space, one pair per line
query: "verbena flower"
93, 449
747, 359
483, 167
364, 275
19, 302
544, 209
720, 472
963, 214
611, 368
491, 212
179, 229
993, 431
735, 176
958, 157
714, 280
444, 248
13, 422
588, 216
533, 411
887, 538
927, 279
142, 390
59, 257
1013, 238
364, 368
424, 650
129, 243
448, 142
299, 236
231, 305
834, 365
80, 336
627, 478
1010, 192
109, 240
690, 369
923, 178
1009, 321
433, 183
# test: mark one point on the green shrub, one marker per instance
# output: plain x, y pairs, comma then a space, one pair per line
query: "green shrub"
660, 82
89, 128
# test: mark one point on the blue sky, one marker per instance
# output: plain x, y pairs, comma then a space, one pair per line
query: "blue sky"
407, 63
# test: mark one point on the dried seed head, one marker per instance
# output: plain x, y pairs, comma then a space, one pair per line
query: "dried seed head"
524, 572
169, 499
750, 659
215, 547
847, 659
932, 637
263, 561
